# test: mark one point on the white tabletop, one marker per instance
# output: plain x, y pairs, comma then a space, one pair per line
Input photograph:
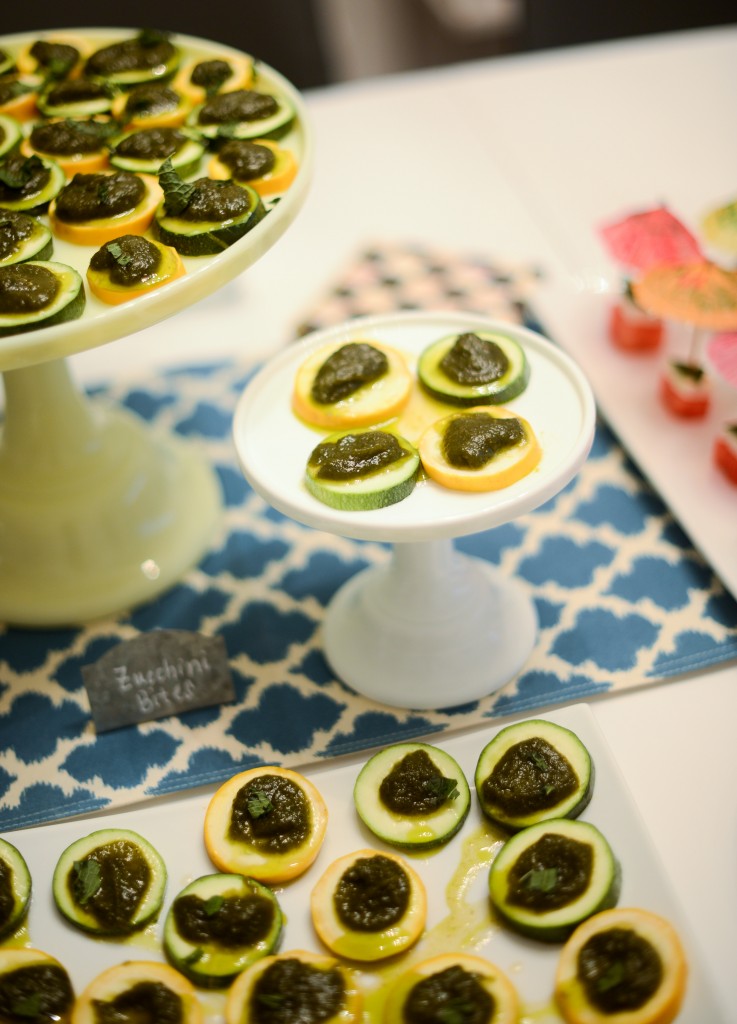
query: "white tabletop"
518, 158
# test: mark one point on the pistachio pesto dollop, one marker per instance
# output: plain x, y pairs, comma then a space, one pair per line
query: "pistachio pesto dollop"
348, 369
271, 813
530, 777
15, 227
98, 196
291, 991
211, 75
372, 894
35, 992
22, 177
128, 260
551, 873
150, 100
26, 288
474, 360
76, 90
246, 160
619, 970
56, 58
356, 455
471, 440
144, 1001
234, 922
451, 994
110, 882
151, 144
415, 785
69, 137
148, 51
239, 105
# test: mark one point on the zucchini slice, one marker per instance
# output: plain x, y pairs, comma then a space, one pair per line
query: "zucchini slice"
10, 134
151, 105
243, 114
15, 888
76, 97
149, 56
453, 987
412, 795
266, 822
302, 986
531, 771
19, 96
144, 150
66, 303
138, 990
220, 924
23, 238
549, 877
206, 237
35, 183
357, 470
625, 964
484, 448
369, 905
110, 882
36, 986
354, 384
474, 368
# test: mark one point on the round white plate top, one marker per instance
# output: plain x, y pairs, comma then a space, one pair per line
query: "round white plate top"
274, 445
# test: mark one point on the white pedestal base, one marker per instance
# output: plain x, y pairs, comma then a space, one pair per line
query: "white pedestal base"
432, 629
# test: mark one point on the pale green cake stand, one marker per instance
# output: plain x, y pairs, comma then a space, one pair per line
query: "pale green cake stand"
98, 511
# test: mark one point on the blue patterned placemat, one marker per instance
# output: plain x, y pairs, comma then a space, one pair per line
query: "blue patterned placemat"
623, 601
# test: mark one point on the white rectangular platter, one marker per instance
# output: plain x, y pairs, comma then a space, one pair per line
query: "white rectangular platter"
455, 877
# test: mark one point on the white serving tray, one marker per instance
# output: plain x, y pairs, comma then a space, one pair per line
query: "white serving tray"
174, 826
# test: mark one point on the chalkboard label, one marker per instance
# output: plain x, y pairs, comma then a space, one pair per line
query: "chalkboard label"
157, 674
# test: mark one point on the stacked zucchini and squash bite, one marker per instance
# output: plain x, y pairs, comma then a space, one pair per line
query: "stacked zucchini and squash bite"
137, 151
392, 424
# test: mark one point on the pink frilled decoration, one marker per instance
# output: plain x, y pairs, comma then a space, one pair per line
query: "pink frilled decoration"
721, 352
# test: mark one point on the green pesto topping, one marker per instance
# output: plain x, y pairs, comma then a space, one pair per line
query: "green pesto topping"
619, 970
356, 455
551, 873
110, 883
471, 440
271, 813
143, 1002
291, 991
372, 894
531, 776
452, 996
474, 360
416, 786
231, 921
346, 370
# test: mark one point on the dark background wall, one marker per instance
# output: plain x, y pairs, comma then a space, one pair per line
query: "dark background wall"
288, 34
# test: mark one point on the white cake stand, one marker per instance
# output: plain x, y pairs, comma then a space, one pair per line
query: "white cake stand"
98, 512
431, 628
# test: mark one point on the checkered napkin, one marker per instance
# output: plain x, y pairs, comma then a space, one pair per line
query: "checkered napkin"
623, 599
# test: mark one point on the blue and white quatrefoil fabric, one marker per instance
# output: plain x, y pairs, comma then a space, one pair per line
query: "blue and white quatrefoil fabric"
622, 597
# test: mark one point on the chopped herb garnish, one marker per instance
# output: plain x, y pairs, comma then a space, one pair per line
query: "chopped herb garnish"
272, 999
539, 761
445, 789
87, 879
117, 254
27, 1006
259, 804
612, 976
177, 193
213, 905
540, 879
